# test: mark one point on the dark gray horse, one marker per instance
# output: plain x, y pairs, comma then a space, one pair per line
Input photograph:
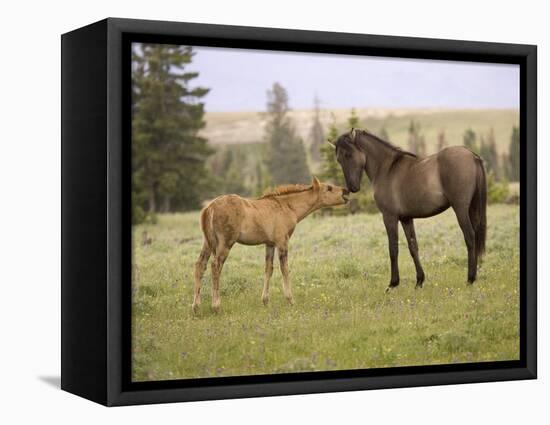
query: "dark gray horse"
407, 187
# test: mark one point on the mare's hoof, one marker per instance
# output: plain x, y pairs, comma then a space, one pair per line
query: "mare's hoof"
418, 285
389, 288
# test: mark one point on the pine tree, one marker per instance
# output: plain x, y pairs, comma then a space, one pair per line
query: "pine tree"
441, 140
353, 120
488, 151
316, 134
417, 142
384, 134
470, 140
168, 155
513, 155
331, 170
286, 156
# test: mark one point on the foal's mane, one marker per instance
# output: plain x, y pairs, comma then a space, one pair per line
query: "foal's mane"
387, 144
286, 189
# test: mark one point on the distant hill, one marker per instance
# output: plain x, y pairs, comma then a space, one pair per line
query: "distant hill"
248, 127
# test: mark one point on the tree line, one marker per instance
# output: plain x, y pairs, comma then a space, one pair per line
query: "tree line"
175, 169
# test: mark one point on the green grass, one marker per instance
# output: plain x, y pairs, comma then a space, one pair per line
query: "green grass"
342, 319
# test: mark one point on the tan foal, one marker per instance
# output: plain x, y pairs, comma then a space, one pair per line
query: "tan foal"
269, 220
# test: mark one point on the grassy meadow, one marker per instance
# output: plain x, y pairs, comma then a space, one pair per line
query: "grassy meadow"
342, 319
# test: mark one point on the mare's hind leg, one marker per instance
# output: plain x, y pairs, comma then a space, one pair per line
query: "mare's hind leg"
463, 217
200, 267
390, 222
408, 228
222, 251
269, 254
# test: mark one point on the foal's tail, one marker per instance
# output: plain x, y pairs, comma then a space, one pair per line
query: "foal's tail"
207, 228
478, 209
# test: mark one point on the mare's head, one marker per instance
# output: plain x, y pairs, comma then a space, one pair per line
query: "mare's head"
328, 194
351, 159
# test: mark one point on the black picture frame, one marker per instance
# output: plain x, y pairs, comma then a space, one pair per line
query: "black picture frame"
96, 238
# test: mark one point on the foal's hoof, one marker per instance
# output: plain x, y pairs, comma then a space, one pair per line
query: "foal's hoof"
195, 308
290, 300
216, 308
265, 300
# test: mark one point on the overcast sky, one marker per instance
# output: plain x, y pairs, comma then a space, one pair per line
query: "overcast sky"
239, 80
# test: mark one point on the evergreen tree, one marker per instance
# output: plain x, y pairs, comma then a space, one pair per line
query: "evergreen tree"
470, 140
316, 134
417, 142
230, 170
331, 170
513, 155
168, 155
384, 134
353, 120
488, 151
286, 156
441, 140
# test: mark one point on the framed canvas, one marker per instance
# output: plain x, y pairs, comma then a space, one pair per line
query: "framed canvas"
187, 146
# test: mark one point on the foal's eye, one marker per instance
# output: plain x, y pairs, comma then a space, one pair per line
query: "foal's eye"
330, 188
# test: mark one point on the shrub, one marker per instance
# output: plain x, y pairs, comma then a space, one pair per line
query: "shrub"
497, 192
366, 203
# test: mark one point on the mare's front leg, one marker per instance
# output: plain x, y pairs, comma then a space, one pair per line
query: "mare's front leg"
408, 228
390, 221
269, 254
283, 262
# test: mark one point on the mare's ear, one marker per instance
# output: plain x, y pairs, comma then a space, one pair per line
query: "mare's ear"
315, 183
331, 144
352, 135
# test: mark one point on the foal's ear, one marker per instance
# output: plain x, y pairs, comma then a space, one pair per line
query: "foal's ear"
315, 183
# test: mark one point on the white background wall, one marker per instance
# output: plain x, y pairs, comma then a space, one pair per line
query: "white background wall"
30, 210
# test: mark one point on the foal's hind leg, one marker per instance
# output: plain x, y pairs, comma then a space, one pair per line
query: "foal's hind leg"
408, 228
283, 263
269, 254
220, 256
200, 267
463, 216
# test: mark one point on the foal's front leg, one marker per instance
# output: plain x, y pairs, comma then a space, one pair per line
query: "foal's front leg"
269, 254
390, 222
283, 262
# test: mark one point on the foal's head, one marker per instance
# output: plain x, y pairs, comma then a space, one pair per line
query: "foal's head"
351, 159
329, 195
